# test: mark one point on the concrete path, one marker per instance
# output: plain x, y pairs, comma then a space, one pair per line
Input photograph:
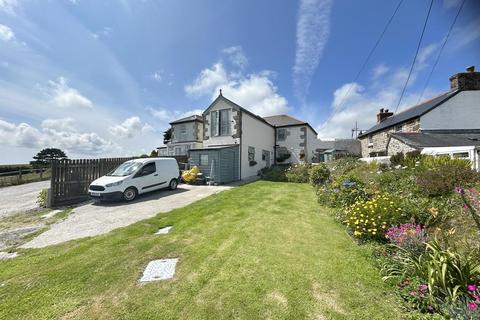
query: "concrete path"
92, 219
20, 198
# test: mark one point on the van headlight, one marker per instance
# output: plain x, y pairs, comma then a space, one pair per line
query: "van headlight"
114, 184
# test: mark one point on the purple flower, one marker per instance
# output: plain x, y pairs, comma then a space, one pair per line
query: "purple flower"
472, 306
472, 287
460, 190
422, 287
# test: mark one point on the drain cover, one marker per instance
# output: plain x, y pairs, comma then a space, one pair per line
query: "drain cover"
164, 230
161, 269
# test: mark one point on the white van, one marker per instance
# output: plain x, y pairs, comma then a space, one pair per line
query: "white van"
134, 177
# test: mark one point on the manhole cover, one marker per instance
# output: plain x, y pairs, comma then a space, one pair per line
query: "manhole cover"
164, 230
161, 269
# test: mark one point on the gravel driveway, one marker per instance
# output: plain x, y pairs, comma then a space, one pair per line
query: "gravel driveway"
92, 219
20, 198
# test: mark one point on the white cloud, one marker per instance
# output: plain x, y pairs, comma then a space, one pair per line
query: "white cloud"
466, 34
340, 96
105, 32
9, 6
60, 133
6, 34
59, 125
130, 127
363, 103
313, 30
165, 115
157, 75
61, 95
236, 56
207, 80
254, 91
380, 70
451, 3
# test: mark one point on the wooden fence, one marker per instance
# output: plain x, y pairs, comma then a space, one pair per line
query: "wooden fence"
21, 176
71, 178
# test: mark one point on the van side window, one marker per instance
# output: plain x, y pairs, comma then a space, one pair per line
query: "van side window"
147, 169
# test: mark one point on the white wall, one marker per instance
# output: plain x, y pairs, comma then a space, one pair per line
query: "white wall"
257, 134
311, 145
292, 143
220, 140
459, 112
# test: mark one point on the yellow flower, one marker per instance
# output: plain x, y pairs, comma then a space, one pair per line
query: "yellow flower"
434, 212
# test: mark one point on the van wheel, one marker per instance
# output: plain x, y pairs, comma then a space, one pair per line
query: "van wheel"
173, 184
129, 194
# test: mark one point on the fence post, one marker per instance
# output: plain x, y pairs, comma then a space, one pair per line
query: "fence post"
41, 173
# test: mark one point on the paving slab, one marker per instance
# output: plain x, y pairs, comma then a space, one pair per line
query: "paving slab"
161, 269
164, 230
93, 219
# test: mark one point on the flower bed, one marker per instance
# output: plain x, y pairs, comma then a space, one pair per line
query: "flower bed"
429, 235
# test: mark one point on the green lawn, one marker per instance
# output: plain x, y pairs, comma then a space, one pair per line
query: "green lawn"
262, 251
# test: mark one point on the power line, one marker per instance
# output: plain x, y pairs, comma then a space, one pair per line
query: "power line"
440, 51
416, 54
370, 54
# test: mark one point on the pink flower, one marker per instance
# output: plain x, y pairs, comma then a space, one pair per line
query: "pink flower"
471, 287
472, 306
422, 287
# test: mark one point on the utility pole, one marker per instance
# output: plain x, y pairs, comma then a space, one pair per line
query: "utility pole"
356, 131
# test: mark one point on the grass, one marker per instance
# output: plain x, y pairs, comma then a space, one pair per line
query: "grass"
28, 219
264, 250
6, 181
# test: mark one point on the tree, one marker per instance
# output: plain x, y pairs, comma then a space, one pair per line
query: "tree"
153, 154
167, 136
46, 156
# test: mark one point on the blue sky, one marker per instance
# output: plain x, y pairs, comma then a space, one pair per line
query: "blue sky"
104, 78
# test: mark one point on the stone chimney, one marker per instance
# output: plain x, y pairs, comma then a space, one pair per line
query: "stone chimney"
469, 80
383, 114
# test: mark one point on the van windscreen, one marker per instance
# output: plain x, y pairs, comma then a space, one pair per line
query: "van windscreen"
125, 169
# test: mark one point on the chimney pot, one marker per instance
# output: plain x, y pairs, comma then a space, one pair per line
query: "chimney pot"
383, 114
469, 80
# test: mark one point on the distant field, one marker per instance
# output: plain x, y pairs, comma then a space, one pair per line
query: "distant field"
9, 174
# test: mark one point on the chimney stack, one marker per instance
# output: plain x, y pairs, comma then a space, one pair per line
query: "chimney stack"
469, 80
383, 114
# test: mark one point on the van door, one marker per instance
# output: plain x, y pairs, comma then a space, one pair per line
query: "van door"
146, 179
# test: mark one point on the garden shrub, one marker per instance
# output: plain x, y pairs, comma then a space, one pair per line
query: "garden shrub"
318, 174
342, 166
370, 219
297, 173
410, 159
42, 198
274, 173
443, 178
343, 192
397, 159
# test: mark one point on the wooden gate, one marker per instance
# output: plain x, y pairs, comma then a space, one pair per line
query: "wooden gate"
71, 178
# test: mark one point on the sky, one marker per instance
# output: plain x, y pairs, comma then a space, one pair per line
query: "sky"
104, 78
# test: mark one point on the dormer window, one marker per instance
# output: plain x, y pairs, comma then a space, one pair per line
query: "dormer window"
220, 123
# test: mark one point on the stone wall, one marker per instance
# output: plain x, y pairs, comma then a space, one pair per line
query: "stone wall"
396, 146
378, 147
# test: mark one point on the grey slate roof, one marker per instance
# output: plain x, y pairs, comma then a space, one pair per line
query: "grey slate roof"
188, 119
283, 120
425, 140
411, 113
